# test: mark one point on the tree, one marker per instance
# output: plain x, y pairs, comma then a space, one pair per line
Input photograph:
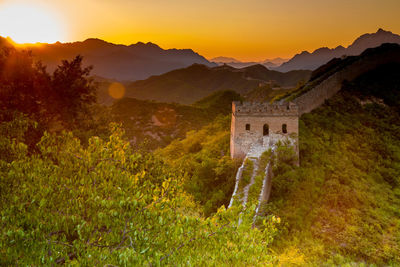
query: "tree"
75, 91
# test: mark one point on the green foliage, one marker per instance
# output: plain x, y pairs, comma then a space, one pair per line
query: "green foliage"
63, 100
219, 102
247, 173
187, 85
158, 124
74, 90
204, 158
105, 204
341, 206
255, 189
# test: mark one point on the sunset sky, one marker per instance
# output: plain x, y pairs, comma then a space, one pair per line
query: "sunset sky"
244, 29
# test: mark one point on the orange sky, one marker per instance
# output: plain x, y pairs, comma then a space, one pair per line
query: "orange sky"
244, 29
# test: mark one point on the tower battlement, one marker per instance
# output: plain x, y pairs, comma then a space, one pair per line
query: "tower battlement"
264, 109
255, 122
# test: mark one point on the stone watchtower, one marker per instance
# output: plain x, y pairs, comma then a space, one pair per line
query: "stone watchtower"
259, 124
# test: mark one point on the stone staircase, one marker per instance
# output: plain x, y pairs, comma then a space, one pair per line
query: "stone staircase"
254, 154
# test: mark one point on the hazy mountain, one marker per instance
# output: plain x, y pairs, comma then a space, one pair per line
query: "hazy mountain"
311, 61
223, 60
276, 61
233, 62
190, 84
121, 62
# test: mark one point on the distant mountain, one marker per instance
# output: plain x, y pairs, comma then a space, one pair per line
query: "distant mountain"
233, 62
223, 60
276, 61
114, 61
190, 84
311, 61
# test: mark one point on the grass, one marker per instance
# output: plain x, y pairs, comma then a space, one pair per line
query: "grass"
246, 174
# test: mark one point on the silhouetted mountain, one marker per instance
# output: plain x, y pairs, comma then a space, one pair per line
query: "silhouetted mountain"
233, 62
190, 84
311, 61
121, 62
338, 71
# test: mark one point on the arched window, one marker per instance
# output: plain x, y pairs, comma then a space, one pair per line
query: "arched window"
247, 127
284, 128
265, 129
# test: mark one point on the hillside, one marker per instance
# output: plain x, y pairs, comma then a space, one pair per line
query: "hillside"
154, 124
190, 84
310, 61
115, 61
327, 79
341, 205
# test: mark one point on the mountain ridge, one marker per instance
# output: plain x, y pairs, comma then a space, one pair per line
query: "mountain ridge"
117, 61
197, 81
233, 62
320, 56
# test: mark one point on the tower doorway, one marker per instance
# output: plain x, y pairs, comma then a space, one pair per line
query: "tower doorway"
265, 129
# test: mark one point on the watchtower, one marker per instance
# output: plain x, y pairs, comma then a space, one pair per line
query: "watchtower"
255, 123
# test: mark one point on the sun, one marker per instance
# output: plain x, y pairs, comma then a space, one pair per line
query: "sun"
25, 23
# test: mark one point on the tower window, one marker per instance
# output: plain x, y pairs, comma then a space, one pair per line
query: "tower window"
265, 129
284, 128
247, 127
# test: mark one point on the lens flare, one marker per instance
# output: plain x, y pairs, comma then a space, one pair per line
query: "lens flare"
116, 90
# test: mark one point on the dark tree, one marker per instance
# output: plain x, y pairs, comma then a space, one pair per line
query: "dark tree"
74, 89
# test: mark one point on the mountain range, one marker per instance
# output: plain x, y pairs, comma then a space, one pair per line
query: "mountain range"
141, 60
121, 62
190, 84
233, 62
311, 61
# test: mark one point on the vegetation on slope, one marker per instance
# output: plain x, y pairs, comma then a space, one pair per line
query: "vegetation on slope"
204, 158
153, 124
104, 204
342, 205
185, 86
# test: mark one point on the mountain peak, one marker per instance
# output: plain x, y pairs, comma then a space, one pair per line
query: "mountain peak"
382, 31
94, 41
322, 55
147, 45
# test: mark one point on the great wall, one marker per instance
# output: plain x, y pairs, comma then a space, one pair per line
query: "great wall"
258, 128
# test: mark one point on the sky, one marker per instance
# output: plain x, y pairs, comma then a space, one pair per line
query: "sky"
249, 30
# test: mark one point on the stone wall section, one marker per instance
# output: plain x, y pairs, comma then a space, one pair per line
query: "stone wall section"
330, 86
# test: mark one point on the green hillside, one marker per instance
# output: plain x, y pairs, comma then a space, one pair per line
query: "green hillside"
342, 205
154, 124
190, 84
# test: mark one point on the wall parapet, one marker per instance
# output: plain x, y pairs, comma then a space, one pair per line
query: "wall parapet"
264, 109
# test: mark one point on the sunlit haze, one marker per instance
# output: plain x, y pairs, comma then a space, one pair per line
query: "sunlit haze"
27, 23
246, 30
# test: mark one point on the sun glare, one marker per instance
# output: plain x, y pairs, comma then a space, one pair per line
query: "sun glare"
29, 24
